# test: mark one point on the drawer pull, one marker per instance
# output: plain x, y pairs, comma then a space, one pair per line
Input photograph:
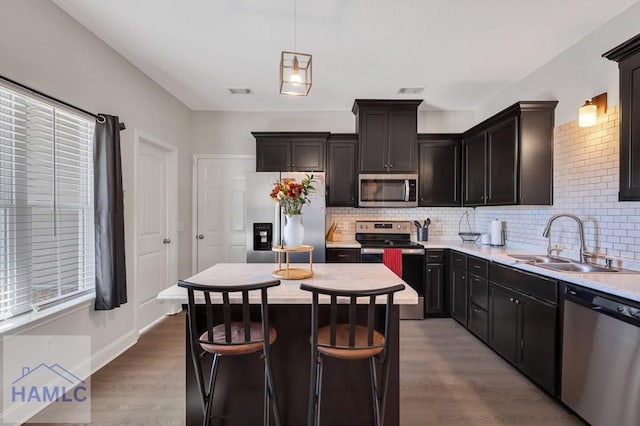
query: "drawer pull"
476, 309
343, 255
477, 267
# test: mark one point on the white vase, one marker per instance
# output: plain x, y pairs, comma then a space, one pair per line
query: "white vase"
293, 231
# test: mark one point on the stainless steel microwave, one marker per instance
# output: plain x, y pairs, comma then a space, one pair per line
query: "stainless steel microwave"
388, 190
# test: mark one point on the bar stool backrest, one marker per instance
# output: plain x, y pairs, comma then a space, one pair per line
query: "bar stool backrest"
353, 296
225, 291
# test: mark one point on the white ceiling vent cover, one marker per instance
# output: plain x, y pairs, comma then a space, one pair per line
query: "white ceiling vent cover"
241, 91
410, 90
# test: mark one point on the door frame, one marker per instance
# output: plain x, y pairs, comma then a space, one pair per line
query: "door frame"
194, 197
142, 137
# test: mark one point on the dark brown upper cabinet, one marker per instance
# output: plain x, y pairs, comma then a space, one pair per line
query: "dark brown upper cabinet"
440, 161
387, 134
627, 55
508, 158
341, 170
290, 151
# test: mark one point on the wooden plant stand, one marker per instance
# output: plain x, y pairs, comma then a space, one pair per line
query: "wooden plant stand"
289, 273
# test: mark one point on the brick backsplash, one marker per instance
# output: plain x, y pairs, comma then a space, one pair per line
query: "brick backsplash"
585, 184
444, 220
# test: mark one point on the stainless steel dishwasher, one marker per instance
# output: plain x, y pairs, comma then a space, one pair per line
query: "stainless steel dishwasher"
601, 358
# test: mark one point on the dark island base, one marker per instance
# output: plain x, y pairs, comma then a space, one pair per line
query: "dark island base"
346, 392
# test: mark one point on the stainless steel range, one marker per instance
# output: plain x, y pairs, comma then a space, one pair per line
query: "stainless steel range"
375, 236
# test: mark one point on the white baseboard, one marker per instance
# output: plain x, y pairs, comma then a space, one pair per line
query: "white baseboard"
110, 352
152, 324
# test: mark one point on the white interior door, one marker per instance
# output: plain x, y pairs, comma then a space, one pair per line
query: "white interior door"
220, 199
155, 242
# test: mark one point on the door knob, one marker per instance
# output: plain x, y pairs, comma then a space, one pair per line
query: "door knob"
201, 237
166, 241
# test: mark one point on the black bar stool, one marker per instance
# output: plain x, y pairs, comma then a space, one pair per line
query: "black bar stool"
230, 338
349, 341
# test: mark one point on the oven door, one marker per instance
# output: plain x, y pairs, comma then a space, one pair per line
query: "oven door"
384, 190
413, 273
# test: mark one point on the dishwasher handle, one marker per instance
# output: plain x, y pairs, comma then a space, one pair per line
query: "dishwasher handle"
603, 305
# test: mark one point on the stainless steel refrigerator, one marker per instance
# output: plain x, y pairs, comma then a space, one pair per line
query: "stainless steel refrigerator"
264, 220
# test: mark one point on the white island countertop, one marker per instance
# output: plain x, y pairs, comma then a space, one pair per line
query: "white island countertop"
352, 276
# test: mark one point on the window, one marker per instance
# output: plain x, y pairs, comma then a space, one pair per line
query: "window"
46, 202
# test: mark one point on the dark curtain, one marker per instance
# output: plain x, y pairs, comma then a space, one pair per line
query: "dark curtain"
111, 278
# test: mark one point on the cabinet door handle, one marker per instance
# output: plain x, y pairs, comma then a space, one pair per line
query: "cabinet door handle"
386, 167
429, 270
390, 166
477, 267
476, 309
511, 299
517, 302
201, 236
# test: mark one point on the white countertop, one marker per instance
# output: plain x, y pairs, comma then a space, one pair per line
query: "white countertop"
621, 284
354, 276
625, 285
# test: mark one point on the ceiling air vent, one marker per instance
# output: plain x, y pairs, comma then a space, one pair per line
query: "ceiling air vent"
240, 91
410, 90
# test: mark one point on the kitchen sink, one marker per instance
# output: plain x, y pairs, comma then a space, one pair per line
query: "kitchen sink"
576, 267
564, 265
538, 258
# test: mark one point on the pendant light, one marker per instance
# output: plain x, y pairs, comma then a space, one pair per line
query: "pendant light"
295, 68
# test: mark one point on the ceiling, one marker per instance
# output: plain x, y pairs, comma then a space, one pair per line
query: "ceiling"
463, 52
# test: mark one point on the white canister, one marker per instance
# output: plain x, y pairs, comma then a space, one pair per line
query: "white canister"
497, 235
485, 239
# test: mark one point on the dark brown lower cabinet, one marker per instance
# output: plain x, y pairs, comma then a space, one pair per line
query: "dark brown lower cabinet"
503, 329
434, 303
477, 321
523, 329
459, 295
343, 255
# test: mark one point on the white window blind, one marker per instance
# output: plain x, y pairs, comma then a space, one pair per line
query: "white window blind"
46, 203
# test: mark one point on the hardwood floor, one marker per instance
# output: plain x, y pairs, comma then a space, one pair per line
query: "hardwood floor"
146, 384
447, 377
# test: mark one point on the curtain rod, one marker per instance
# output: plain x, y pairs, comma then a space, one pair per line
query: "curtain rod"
44, 95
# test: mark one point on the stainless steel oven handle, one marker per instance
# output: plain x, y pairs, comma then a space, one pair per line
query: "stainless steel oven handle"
371, 251
380, 251
413, 251
406, 189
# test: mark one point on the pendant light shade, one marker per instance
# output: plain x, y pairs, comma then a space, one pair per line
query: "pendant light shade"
295, 73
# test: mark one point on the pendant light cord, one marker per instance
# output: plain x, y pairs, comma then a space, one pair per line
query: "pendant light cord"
295, 26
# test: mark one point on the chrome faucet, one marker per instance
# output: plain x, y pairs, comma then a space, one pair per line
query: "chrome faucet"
585, 255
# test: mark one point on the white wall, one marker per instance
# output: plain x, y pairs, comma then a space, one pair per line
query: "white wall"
44, 48
577, 74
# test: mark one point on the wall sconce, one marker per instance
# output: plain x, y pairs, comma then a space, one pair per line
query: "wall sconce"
592, 108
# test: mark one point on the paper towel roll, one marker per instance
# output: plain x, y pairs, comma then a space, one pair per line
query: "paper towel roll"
496, 233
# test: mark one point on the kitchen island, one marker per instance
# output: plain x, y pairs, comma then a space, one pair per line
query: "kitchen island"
346, 397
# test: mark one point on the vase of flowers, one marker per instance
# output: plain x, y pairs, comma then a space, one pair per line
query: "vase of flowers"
291, 196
